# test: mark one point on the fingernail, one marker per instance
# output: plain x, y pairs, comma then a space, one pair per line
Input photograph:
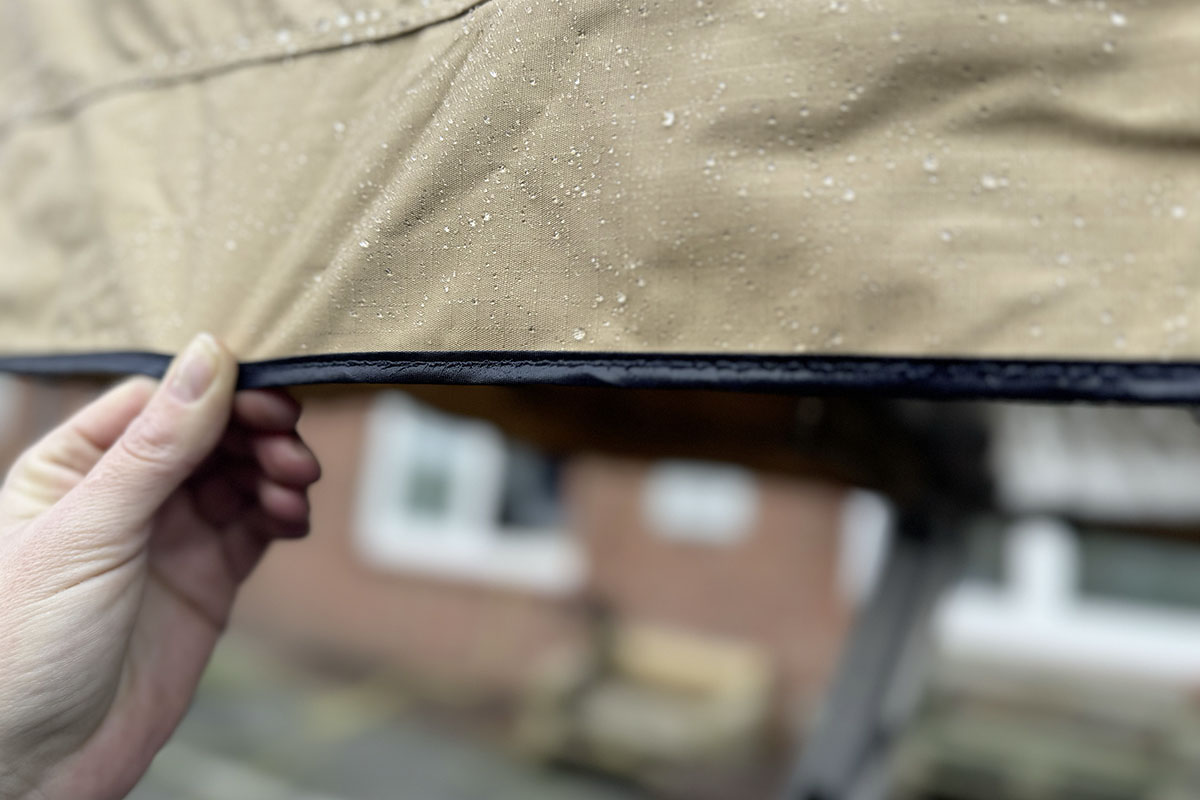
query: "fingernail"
195, 370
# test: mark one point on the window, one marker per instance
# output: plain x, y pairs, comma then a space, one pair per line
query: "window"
452, 496
1096, 600
700, 502
984, 561
1122, 567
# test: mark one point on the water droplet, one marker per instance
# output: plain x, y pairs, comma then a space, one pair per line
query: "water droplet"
947, 236
339, 126
668, 119
1178, 212
578, 334
1118, 19
363, 243
991, 182
931, 163
621, 298
849, 195
230, 245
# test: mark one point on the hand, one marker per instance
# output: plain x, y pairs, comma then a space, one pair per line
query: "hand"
124, 535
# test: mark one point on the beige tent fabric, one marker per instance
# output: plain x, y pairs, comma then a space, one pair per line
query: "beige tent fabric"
889, 177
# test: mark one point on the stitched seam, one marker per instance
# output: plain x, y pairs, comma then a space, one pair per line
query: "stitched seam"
1127, 381
159, 73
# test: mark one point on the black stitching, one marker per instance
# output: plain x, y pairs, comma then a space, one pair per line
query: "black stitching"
1097, 381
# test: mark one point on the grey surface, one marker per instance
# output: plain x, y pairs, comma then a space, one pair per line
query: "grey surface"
260, 729
875, 689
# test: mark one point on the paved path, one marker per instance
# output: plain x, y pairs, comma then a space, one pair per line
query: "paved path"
262, 730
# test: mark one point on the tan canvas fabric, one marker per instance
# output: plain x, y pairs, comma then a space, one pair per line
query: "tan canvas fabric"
900, 177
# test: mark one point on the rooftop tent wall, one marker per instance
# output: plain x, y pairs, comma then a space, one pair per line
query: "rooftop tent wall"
993, 198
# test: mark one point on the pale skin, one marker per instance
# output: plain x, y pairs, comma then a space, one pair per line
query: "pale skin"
124, 536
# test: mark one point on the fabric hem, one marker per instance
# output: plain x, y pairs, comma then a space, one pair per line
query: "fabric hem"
979, 379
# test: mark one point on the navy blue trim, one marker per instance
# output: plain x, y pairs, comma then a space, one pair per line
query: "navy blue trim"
1131, 382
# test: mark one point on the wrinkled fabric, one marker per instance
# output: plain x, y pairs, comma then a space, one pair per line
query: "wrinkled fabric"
997, 178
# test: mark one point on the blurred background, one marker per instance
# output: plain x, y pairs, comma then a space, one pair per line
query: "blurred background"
583, 594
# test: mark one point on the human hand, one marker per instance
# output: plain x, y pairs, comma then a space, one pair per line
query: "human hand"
124, 535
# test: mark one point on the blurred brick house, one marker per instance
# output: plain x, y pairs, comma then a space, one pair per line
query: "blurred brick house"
766, 576
751, 558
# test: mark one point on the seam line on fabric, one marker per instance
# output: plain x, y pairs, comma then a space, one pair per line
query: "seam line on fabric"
146, 83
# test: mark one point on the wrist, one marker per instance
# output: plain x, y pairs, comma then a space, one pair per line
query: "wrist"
13, 786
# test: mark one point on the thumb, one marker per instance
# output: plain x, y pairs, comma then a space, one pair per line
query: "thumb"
159, 449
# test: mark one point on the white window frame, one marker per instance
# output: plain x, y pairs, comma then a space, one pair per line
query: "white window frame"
466, 544
700, 502
1038, 617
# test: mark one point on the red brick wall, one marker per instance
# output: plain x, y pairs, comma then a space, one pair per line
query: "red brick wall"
319, 592
775, 588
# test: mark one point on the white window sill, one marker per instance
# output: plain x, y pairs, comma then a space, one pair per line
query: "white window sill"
545, 564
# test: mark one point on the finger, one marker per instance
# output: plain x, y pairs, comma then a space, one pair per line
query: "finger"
56, 463
265, 410
158, 450
244, 547
286, 503
218, 500
236, 442
246, 543
284, 458
278, 529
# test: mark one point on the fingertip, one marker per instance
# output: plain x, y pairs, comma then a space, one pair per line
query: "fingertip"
136, 385
286, 530
285, 458
284, 503
267, 410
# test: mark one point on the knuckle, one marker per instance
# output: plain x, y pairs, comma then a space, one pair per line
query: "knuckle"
151, 441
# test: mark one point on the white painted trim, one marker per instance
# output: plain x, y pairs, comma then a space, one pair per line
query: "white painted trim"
700, 502
1039, 620
1114, 464
466, 544
866, 533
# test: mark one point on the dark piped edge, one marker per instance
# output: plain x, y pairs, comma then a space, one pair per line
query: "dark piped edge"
949, 378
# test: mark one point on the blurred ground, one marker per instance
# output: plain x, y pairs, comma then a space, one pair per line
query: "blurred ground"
265, 727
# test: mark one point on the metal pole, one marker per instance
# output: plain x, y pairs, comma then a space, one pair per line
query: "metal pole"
874, 691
